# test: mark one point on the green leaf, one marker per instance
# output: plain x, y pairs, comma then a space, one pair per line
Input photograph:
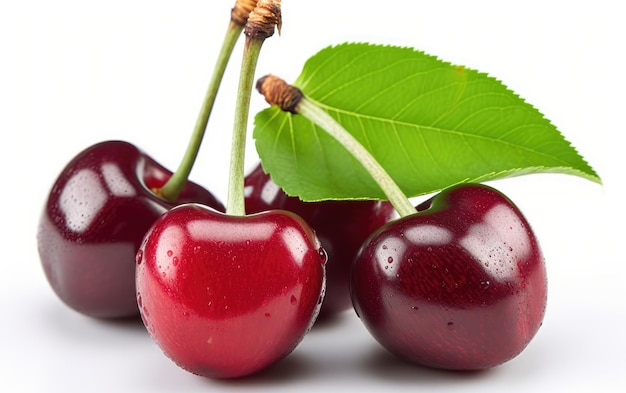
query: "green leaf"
429, 123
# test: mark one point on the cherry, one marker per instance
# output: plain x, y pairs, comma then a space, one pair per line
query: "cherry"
225, 296
341, 227
96, 215
458, 285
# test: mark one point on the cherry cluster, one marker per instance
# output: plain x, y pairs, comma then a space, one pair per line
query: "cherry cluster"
458, 284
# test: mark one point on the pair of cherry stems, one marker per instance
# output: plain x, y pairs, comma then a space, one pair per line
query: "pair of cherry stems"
276, 92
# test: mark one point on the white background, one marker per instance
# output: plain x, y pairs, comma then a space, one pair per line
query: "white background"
73, 73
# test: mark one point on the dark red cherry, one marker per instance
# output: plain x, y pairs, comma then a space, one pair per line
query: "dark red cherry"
341, 226
98, 211
460, 285
226, 296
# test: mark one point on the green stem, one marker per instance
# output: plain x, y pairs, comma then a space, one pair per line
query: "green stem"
175, 184
395, 195
235, 204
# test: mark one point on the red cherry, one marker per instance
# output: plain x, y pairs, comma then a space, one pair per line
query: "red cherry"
341, 227
226, 296
461, 285
96, 215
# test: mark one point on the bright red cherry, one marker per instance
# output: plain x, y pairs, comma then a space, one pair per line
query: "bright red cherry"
225, 296
341, 227
461, 285
97, 213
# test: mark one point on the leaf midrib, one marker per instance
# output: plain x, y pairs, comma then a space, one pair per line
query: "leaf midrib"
464, 135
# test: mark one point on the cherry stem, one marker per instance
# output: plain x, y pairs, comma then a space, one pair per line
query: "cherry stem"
261, 23
177, 181
290, 99
235, 204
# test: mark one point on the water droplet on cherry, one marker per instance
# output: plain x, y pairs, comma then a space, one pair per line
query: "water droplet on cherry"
390, 260
139, 257
294, 299
170, 253
323, 255
485, 284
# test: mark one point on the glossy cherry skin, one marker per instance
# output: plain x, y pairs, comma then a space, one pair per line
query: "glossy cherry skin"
460, 285
226, 296
96, 215
341, 227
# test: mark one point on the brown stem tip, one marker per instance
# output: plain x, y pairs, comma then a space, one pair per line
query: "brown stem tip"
240, 12
263, 19
278, 92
